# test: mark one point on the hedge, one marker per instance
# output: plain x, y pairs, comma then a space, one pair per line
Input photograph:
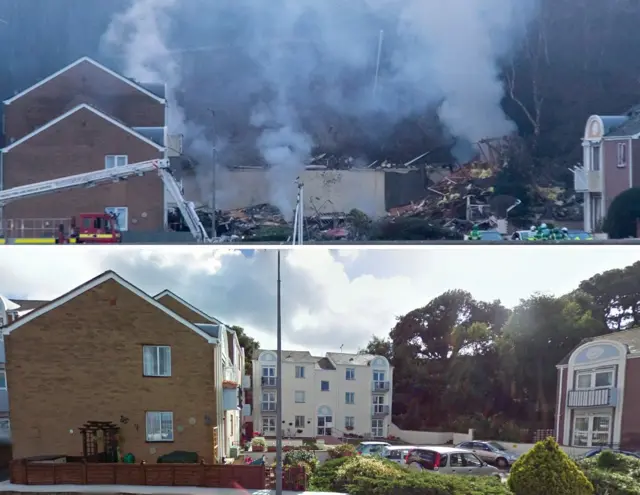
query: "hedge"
613, 474
363, 475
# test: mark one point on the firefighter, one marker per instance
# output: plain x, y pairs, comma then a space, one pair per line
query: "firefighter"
533, 234
545, 232
565, 233
474, 235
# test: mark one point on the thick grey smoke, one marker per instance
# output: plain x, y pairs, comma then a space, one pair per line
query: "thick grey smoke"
286, 76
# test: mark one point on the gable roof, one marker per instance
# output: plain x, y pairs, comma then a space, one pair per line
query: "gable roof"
126, 80
83, 106
208, 318
628, 338
100, 279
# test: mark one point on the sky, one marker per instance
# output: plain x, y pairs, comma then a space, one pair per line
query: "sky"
330, 298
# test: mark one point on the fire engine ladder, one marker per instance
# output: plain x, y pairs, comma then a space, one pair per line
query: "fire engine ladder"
91, 179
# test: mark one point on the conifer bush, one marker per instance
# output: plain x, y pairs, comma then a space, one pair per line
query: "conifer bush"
547, 470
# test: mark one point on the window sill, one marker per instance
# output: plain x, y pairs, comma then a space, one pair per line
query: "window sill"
159, 441
156, 376
621, 165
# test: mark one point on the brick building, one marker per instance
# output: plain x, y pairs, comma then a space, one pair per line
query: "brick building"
597, 401
107, 351
82, 118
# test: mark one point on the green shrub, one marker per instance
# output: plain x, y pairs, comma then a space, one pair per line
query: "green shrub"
295, 457
366, 467
608, 482
343, 450
421, 483
324, 476
546, 469
622, 214
613, 474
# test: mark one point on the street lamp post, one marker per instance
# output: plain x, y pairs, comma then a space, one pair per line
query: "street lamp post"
279, 386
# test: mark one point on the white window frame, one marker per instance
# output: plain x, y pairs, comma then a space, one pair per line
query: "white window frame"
155, 351
114, 161
590, 432
592, 380
349, 421
350, 395
270, 399
378, 404
268, 426
122, 216
377, 428
270, 373
328, 385
622, 155
379, 376
3, 374
595, 158
299, 422
299, 397
299, 371
160, 417
350, 374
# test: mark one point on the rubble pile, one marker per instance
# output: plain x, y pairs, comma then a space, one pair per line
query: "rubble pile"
446, 202
251, 221
455, 203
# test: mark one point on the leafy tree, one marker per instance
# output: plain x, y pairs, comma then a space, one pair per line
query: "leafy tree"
378, 346
539, 333
615, 295
430, 343
250, 346
622, 215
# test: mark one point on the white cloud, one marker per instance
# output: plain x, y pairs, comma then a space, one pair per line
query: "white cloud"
329, 297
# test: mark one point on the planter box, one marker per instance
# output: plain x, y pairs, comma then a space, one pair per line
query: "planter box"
257, 448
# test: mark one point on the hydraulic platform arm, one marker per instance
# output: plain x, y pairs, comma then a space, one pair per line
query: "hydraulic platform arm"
98, 177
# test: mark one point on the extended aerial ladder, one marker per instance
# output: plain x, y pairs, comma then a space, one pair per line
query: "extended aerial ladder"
116, 174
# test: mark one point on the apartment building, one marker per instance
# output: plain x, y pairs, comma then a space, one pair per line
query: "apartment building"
83, 118
597, 399
609, 144
323, 397
114, 353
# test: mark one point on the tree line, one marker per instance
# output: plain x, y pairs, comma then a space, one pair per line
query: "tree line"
462, 363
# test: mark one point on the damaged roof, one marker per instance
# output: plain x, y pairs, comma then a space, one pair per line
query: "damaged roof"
629, 338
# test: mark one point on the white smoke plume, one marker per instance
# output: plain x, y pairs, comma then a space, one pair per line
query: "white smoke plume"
283, 72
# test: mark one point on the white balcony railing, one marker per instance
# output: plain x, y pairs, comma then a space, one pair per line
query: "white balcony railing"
231, 374
585, 180
593, 397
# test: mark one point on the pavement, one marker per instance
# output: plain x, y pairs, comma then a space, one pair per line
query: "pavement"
142, 490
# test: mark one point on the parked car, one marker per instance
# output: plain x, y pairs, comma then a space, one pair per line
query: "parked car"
371, 448
449, 460
397, 453
491, 453
595, 452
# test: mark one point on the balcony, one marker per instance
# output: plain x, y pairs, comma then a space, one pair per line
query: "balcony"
268, 382
380, 386
586, 180
593, 397
230, 377
231, 399
268, 407
379, 411
246, 382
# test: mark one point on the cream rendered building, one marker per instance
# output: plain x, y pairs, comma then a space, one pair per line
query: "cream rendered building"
323, 396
